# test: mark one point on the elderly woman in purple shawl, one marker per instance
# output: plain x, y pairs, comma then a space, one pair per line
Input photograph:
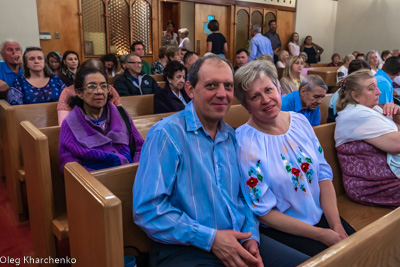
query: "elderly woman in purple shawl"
96, 133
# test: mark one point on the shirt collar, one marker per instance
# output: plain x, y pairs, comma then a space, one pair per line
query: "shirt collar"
9, 71
297, 101
383, 74
193, 122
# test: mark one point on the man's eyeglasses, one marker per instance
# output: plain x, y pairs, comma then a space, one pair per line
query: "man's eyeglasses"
135, 62
91, 88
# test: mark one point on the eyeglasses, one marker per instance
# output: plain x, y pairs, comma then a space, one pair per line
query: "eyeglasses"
135, 62
91, 88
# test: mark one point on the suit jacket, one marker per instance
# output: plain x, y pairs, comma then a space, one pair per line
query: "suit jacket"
166, 101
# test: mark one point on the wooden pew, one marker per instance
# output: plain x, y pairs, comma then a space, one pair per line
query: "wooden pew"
356, 214
41, 115
100, 229
280, 72
158, 77
378, 244
328, 74
237, 116
45, 188
45, 185
138, 105
161, 84
324, 106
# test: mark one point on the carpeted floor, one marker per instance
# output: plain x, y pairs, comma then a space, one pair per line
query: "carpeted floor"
15, 237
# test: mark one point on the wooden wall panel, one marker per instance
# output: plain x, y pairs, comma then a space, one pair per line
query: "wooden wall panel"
60, 16
285, 23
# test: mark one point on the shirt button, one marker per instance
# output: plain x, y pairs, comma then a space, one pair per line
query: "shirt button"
125, 161
195, 132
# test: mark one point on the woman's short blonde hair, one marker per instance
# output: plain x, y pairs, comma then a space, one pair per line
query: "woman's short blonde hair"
352, 83
248, 73
287, 72
267, 57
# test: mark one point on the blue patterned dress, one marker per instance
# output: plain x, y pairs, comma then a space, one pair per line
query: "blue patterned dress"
22, 92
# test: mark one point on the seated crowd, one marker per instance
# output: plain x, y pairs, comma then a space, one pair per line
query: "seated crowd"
273, 185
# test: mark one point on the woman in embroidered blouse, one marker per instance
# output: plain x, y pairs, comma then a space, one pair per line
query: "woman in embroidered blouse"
96, 133
368, 142
291, 77
286, 179
36, 84
69, 67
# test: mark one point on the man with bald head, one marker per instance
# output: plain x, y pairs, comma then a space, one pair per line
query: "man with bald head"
11, 53
134, 81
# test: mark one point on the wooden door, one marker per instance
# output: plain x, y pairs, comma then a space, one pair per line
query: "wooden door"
220, 13
171, 11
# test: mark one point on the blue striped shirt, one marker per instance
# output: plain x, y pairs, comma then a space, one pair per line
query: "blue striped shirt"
188, 185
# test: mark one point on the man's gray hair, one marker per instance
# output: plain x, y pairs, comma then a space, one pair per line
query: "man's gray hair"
248, 73
6, 41
256, 28
311, 81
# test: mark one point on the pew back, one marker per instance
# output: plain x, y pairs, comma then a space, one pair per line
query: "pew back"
100, 229
41, 115
378, 244
324, 107
138, 105
237, 116
44, 185
328, 74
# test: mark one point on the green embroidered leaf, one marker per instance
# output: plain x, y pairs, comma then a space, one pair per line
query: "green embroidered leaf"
299, 160
249, 173
320, 149
288, 169
283, 158
260, 177
308, 160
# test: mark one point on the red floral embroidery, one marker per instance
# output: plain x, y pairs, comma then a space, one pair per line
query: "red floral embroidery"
252, 182
305, 166
296, 172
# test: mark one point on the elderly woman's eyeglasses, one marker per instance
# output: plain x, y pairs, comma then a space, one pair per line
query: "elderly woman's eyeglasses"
92, 87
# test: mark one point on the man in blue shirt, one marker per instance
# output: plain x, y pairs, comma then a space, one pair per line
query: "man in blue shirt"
307, 99
384, 78
259, 44
9, 69
187, 189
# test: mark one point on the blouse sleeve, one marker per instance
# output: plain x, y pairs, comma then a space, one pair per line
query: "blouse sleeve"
254, 185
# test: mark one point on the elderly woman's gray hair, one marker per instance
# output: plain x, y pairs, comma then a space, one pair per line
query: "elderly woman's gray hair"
311, 81
184, 31
247, 74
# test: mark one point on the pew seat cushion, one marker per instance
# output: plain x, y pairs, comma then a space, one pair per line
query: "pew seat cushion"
366, 175
60, 227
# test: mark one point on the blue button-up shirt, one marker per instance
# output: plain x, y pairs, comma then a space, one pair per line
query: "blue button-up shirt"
260, 45
6, 74
292, 102
188, 185
385, 85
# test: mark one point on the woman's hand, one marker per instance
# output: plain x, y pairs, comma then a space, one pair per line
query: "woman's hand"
390, 109
328, 236
340, 230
